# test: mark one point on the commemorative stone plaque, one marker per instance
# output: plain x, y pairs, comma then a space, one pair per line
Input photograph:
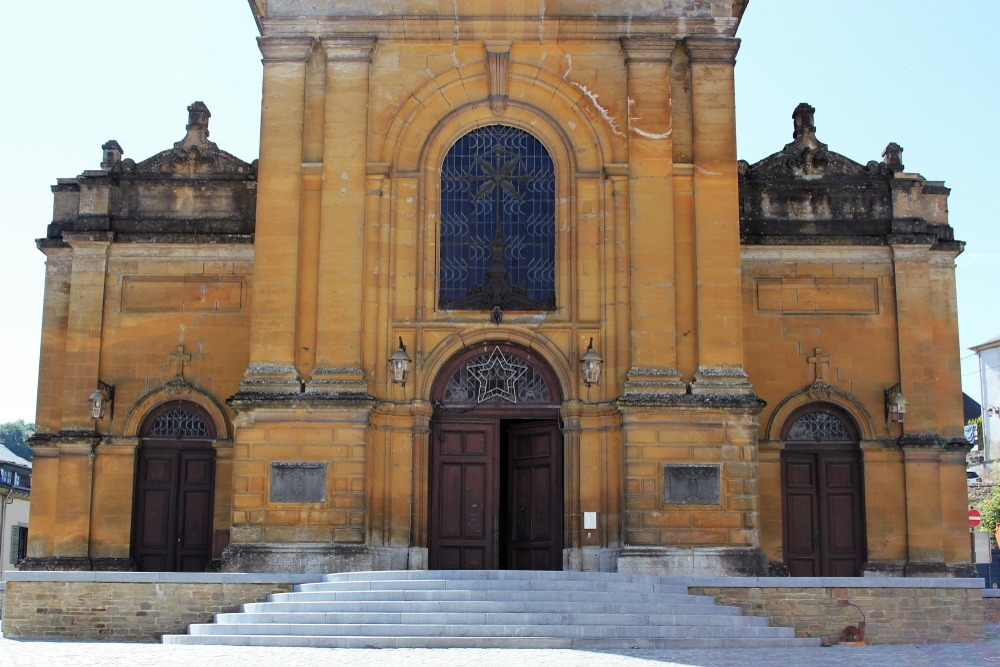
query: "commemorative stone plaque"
298, 482
690, 484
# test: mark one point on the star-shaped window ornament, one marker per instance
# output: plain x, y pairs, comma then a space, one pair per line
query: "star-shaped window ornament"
497, 377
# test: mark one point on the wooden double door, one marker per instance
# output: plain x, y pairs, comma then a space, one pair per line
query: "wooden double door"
496, 495
172, 517
823, 512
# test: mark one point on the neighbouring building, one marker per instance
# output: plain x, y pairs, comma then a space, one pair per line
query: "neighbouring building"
989, 378
499, 294
15, 491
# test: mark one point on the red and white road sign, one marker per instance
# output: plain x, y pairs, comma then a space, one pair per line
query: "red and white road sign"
975, 518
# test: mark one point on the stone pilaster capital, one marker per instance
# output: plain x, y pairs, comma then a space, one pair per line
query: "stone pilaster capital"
117, 445
712, 49
911, 252
959, 447
285, 49
648, 48
921, 446
89, 243
349, 47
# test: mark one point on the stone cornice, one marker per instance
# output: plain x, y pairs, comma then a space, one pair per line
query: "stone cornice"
515, 28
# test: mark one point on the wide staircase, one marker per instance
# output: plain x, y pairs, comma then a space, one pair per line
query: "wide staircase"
491, 609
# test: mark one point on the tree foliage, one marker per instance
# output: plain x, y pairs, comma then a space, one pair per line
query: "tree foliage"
991, 514
14, 436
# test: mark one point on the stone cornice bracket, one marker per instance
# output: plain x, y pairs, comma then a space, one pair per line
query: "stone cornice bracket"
285, 49
349, 47
648, 48
498, 67
718, 50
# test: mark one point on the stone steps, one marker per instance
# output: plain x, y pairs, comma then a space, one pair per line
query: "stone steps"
490, 609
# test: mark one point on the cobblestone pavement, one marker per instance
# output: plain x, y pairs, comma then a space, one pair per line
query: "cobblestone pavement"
87, 654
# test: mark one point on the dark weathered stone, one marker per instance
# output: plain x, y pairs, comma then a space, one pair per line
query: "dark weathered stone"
806, 193
298, 482
690, 484
194, 189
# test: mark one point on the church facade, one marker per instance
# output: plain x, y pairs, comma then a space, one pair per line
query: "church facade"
499, 294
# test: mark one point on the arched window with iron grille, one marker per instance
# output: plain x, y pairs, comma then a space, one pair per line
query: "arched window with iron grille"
497, 243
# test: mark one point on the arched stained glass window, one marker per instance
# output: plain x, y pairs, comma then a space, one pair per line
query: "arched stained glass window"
497, 222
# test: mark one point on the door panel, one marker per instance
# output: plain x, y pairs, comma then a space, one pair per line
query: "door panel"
463, 496
823, 513
536, 495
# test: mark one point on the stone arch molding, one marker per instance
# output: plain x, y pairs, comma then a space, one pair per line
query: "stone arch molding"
436, 360
568, 119
820, 392
179, 389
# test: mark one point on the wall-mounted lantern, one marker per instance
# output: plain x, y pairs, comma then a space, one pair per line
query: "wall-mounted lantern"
895, 404
102, 401
399, 365
590, 366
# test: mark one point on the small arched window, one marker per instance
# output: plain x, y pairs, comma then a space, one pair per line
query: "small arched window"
178, 420
497, 245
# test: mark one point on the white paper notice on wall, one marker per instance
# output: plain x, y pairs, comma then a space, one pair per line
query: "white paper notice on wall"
590, 520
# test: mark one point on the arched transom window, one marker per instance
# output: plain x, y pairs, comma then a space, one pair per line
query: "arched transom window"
497, 222
179, 423
818, 426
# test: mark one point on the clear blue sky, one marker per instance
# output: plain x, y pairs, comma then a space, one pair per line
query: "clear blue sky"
923, 74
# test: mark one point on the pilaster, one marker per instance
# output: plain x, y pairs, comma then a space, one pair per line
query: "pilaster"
653, 344
279, 186
716, 218
55, 324
340, 330
61, 502
946, 357
915, 326
922, 468
955, 507
110, 515
84, 327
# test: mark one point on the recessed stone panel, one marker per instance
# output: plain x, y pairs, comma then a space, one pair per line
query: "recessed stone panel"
298, 482
690, 484
817, 296
170, 294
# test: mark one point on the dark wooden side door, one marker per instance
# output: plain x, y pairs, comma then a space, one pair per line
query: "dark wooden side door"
172, 530
824, 514
534, 495
463, 516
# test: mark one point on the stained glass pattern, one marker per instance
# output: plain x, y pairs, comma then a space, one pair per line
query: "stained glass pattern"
180, 424
495, 377
497, 197
818, 426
